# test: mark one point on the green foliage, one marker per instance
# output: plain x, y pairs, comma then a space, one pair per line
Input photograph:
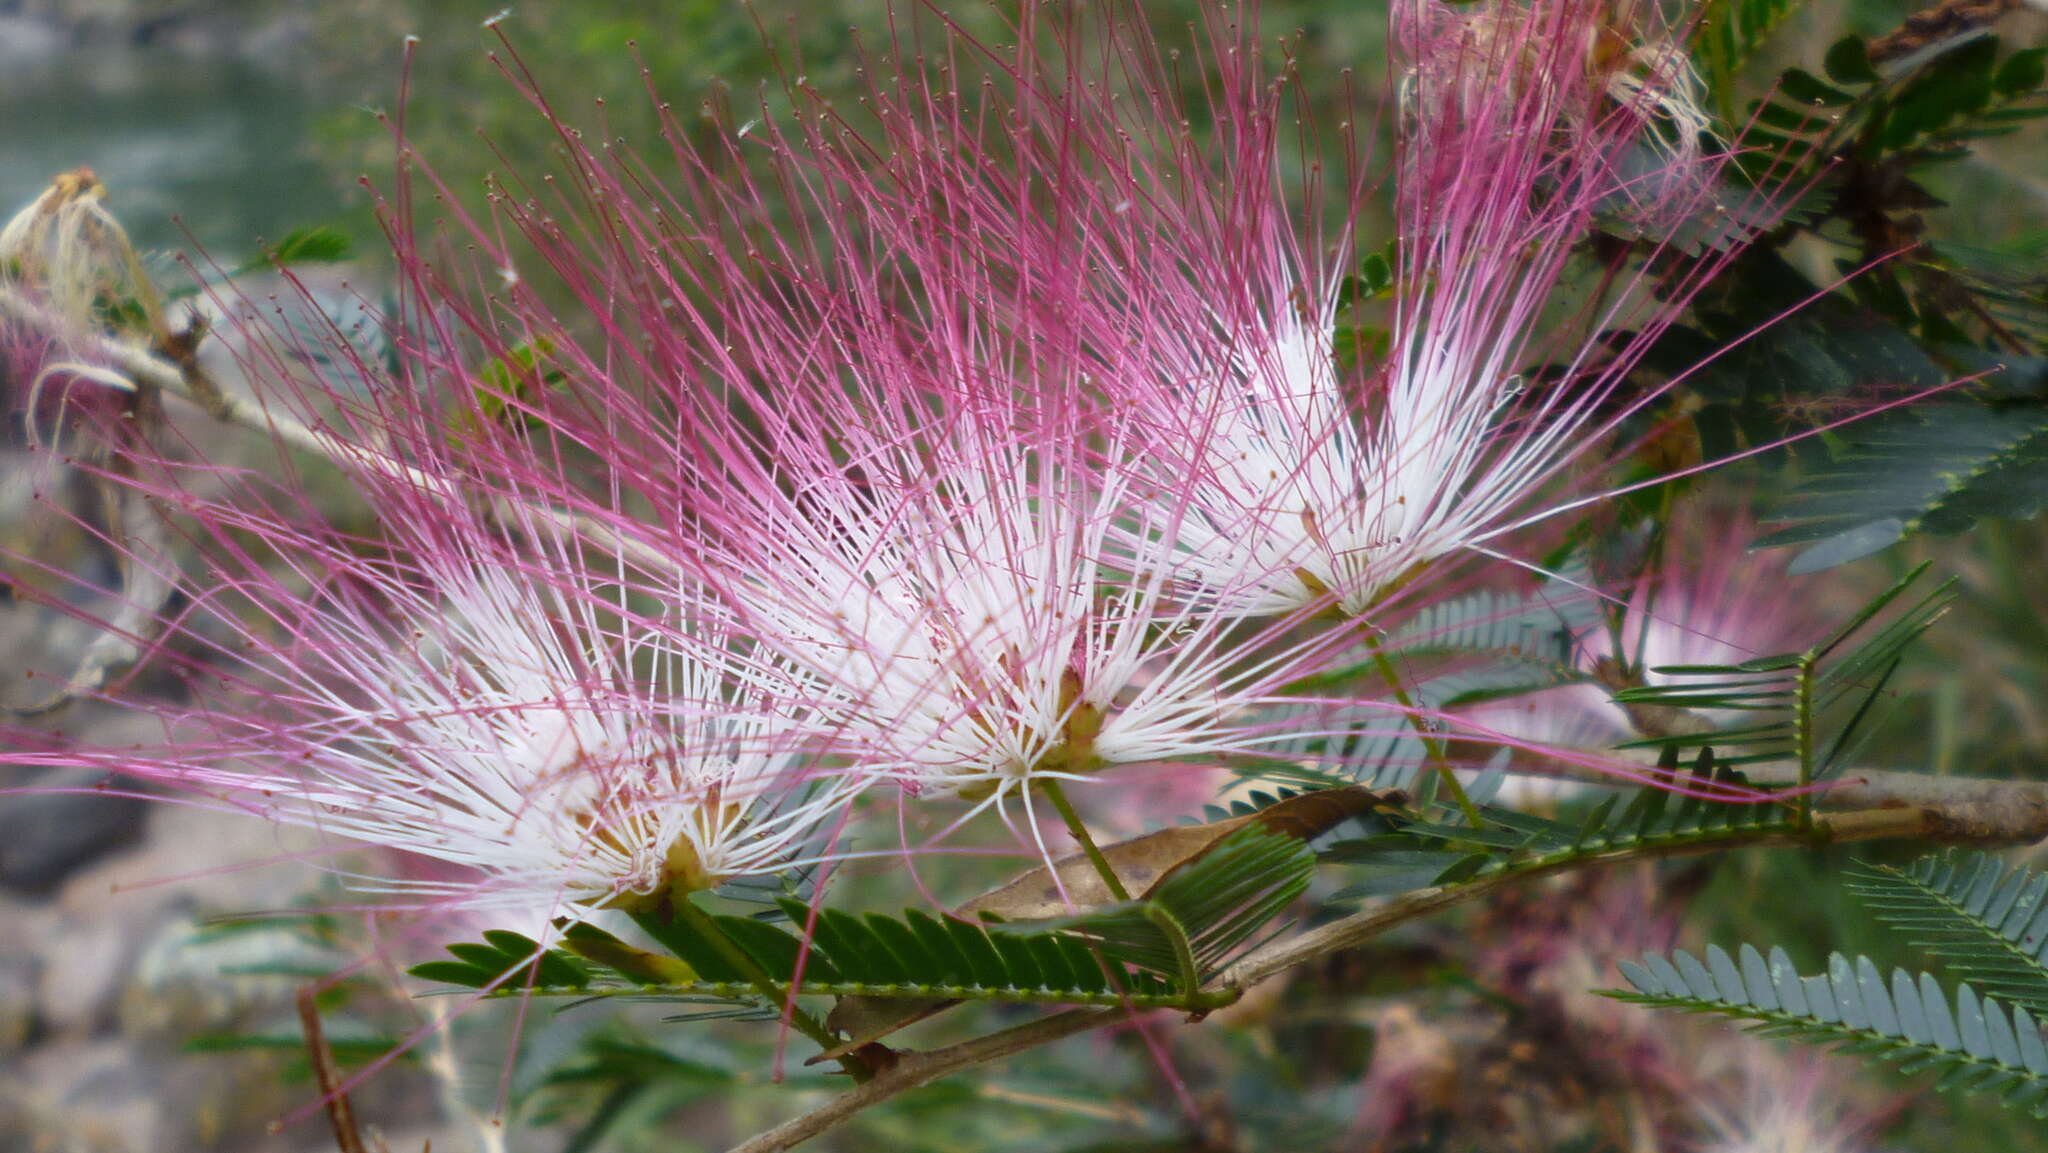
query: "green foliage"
1441, 848
520, 375
917, 956
1191, 923
1973, 915
1373, 280
1497, 644
1848, 62
1733, 30
1977, 1047
1173, 939
1917, 311
503, 959
1936, 468
2008, 283
318, 244
1988, 924
1792, 694
346, 1049
1542, 626
1968, 91
1773, 353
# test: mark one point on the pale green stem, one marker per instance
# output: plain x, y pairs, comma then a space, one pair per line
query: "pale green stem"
1802, 720
1183, 952
1433, 746
701, 923
1058, 797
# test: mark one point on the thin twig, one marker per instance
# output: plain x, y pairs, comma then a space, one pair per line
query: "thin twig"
152, 370
148, 368
346, 1137
1432, 743
915, 1069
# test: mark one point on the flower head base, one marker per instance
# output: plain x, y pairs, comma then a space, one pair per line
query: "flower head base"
526, 749
71, 250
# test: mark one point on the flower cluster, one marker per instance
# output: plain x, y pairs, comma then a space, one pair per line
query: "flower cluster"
1047, 438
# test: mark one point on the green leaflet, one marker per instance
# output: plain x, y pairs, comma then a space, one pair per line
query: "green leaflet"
1190, 924
1988, 924
1733, 30
1153, 952
1975, 1043
915, 956
315, 245
1793, 695
503, 961
1447, 851
1936, 468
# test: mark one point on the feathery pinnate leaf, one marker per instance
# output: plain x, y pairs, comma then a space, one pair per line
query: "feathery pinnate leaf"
1977, 1045
1987, 923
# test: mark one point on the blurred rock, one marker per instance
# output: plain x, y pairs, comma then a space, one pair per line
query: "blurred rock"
17, 1000
99, 1090
191, 977
104, 982
85, 964
267, 34
45, 837
26, 41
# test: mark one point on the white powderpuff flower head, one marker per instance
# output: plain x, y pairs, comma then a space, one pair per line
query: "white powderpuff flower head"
494, 700
568, 759
1317, 459
1785, 1105
969, 605
68, 247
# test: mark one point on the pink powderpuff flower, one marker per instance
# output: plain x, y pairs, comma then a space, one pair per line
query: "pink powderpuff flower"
882, 450
961, 569
883, 436
479, 689
1708, 602
1301, 480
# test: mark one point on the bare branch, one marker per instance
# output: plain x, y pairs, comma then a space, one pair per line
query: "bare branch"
153, 371
914, 1069
1957, 810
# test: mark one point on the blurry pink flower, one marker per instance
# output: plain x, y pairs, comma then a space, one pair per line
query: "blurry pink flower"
1709, 602
1773, 1099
